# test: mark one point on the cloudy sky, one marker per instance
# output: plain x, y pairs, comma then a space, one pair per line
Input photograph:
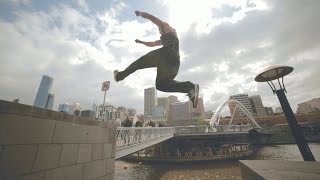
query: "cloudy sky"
223, 45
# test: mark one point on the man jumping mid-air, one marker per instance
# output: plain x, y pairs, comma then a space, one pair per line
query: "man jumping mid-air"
166, 59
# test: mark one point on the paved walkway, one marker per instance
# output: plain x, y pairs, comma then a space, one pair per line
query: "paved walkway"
279, 170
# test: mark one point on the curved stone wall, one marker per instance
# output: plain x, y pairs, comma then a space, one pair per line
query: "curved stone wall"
42, 144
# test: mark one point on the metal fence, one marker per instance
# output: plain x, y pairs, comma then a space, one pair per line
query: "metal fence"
212, 129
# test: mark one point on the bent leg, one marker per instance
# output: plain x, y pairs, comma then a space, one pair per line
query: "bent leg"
170, 85
149, 60
165, 80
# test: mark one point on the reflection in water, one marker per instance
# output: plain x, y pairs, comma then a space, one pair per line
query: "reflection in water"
207, 170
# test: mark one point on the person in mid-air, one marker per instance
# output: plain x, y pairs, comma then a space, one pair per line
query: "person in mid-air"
166, 59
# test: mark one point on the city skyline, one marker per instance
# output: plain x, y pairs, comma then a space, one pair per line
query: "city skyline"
80, 43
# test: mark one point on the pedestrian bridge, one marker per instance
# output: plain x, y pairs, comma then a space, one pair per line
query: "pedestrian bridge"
132, 139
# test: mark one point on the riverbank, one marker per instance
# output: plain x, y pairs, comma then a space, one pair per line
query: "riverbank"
207, 170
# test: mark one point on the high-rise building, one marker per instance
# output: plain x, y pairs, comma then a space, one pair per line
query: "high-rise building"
88, 114
50, 101
122, 113
106, 112
159, 111
199, 110
162, 101
172, 99
150, 101
94, 108
257, 105
244, 100
180, 114
42, 96
269, 110
309, 106
208, 114
75, 107
131, 112
278, 110
65, 108
122, 109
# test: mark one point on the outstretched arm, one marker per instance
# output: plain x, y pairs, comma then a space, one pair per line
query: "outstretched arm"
152, 18
150, 44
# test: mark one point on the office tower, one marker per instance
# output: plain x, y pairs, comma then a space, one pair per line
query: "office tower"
50, 101
122, 109
269, 110
244, 100
122, 113
150, 101
278, 110
180, 114
162, 101
88, 114
43, 92
172, 99
208, 114
199, 110
159, 111
75, 107
64, 108
257, 105
94, 107
131, 112
309, 106
106, 112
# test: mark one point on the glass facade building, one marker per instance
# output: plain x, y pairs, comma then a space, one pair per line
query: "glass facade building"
42, 97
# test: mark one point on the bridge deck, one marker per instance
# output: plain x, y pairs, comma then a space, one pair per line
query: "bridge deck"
131, 139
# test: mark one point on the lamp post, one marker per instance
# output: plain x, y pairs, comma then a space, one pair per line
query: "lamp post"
277, 72
105, 88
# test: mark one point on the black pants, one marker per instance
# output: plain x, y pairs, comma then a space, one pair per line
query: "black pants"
166, 59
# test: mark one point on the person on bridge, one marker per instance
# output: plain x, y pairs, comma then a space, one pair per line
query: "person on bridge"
166, 59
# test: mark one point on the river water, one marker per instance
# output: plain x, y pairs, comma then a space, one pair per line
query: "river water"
207, 170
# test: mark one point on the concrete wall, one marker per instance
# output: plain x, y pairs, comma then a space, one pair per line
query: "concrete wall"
42, 144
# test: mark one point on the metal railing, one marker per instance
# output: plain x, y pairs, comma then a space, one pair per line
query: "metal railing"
213, 129
127, 136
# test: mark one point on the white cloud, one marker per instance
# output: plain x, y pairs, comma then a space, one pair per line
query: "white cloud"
223, 45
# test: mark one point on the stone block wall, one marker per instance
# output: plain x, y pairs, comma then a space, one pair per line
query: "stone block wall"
40, 144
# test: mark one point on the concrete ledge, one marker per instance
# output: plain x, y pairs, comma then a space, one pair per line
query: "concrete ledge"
42, 144
278, 170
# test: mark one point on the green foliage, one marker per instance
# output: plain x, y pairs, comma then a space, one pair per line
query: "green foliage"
138, 124
127, 123
201, 121
151, 123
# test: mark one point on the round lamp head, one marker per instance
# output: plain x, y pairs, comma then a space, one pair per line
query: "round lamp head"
273, 72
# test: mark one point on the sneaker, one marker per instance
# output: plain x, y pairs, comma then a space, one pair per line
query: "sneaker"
193, 95
115, 73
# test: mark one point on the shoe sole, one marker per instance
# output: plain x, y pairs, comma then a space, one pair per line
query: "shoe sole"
115, 74
196, 94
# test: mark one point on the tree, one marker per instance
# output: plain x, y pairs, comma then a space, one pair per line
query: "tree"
127, 123
138, 124
162, 124
201, 121
151, 123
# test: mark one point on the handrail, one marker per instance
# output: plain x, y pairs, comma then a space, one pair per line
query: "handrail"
127, 136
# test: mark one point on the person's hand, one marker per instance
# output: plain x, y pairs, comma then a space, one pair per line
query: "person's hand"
137, 13
138, 41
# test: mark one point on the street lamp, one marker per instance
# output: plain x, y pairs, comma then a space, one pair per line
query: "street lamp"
277, 72
105, 88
